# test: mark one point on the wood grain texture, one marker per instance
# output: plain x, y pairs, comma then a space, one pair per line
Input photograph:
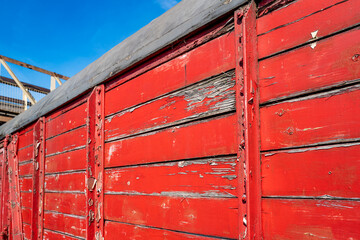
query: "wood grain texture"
328, 117
199, 139
215, 177
310, 219
336, 16
331, 62
214, 96
331, 171
212, 58
213, 217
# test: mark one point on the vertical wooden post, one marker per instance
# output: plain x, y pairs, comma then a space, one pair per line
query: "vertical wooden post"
52, 83
95, 165
38, 179
17, 232
5, 214
248, 120
25, 101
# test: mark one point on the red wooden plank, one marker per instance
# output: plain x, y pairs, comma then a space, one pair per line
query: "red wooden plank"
210, 59
27, 231
26, 138
25, 154
26, 199
26, 215
70, 203
293, 11
115, 230
206, 178
65, 182
74, 160
326, 21
5, 208
25, 184
311, 219
69, 120
74, 225
50, 235
323, 118
306, 69
207, 138
67, 141
214, 96
26, 169
331, 170
213, 217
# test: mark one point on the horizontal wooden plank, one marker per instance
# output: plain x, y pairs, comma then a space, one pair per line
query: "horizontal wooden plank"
323, 118
207, 60
213, 217
27, 231
74, 118
201, 178
200, 139
214, 96
26, 199
74, 160
26, 169
26, 215
330, 170
67, 141
70, 203
26, 138
115, 230
293, 11
308, 69
25, 184
51, 235
25, 154
321, 23
65, 223
310, 219
65, 182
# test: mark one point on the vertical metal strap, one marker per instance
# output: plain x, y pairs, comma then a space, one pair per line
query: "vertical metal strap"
15, 199
37, 220
95, 165
5, 216
247, 105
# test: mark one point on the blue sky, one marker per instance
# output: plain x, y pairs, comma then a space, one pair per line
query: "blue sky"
65, 36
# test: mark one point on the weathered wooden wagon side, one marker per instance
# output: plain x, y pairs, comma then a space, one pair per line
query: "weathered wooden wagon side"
219, 120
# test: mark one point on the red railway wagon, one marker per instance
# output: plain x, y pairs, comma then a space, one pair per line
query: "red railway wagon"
221, 119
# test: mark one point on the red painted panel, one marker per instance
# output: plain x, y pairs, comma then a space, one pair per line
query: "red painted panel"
74, 118
307, 69
331, 170
26, 199
65, 223
207, 138
74, 160
26, 169
115, 231
25, 154
210, 59
67, 141
213, 217
50, 235
328, 117
27, 231
211, 177
207, 98
69, 203
26, 138
65, 182
26, 215
326, 22
25, 184
293, 12
311, 219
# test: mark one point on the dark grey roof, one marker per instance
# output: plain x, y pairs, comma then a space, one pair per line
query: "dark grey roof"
184, 18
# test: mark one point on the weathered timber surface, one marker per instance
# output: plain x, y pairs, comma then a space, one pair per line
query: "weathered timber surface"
184, 18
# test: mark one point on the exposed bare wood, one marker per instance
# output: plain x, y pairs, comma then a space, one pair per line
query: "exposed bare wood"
5, 118
29, 66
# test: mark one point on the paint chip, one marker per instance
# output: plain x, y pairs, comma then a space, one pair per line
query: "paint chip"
313, 45
314, 34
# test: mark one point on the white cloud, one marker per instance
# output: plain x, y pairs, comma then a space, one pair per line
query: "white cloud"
167, 4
